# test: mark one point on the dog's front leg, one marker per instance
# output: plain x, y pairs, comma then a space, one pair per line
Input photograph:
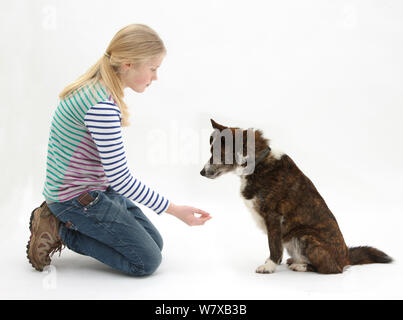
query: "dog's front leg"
275, 244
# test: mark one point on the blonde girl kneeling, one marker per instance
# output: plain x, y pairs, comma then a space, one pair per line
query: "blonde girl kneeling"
90, 193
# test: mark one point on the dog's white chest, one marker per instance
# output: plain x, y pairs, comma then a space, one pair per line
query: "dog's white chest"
253, 208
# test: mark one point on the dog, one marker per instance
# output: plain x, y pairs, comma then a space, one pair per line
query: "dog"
286, 205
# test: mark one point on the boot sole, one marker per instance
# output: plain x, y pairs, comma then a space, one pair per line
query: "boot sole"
29, 241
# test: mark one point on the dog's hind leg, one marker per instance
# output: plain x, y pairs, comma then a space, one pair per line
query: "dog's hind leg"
320, 260
297, 262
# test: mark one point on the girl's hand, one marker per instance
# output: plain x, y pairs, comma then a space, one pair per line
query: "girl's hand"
188, 214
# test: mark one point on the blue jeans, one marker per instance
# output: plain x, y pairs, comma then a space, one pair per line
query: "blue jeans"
111, 229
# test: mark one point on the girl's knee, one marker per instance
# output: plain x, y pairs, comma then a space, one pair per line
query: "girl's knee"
150, 263
153, 263
158, 240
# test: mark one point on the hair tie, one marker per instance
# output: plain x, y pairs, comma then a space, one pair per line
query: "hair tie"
107, 55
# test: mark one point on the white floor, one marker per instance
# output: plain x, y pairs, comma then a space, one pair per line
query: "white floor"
216, 261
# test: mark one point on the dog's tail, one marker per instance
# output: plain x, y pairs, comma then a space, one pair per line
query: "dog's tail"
364, 255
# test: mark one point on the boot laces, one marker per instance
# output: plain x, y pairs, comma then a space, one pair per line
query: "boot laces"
58, 247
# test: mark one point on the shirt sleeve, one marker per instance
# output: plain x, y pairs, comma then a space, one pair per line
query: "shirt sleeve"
103, 121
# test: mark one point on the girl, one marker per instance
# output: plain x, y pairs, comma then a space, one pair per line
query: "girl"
89, 189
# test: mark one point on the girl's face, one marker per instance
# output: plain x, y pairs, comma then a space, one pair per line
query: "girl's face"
139, 77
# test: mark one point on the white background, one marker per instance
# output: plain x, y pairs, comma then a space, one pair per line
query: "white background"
322, 79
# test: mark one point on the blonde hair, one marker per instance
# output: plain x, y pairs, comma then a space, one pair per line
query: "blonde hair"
134, 44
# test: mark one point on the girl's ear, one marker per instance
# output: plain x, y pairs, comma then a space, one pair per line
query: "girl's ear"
126, 66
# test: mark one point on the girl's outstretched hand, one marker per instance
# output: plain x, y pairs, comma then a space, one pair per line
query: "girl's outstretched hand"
189, 215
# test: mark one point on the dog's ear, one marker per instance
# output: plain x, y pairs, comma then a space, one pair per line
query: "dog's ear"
217, 126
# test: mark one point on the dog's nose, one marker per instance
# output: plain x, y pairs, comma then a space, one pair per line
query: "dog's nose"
203, 172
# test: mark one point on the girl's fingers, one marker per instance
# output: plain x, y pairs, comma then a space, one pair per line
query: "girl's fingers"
202, 219
203, 213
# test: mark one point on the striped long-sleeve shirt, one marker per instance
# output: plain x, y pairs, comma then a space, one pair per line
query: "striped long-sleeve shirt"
86, 151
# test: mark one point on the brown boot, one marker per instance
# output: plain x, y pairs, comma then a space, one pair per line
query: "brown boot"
44, 240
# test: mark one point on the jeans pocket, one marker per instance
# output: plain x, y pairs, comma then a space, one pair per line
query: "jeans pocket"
101, 209
89, 199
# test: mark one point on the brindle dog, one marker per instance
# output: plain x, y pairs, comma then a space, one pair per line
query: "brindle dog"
288, 207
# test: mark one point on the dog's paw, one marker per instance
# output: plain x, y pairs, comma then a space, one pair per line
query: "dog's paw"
299, 267
268, 267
